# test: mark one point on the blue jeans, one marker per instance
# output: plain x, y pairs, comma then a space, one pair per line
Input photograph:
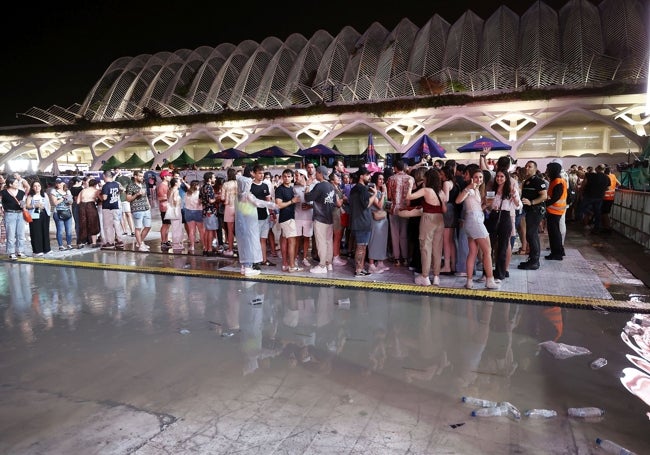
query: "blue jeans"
15, 229
60, 227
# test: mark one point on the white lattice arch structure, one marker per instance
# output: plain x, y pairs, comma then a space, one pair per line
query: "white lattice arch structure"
580, 45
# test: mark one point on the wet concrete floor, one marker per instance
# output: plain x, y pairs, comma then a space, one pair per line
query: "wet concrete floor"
116, 362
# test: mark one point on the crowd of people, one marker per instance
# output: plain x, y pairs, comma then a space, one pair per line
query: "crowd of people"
435, 217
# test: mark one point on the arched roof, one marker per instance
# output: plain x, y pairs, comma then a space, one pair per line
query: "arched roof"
579, 45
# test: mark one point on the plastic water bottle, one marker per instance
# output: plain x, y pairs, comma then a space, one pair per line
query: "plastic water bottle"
543, 413
495, 411
479, 402
586, 412
612, 447
598, 363
512, 409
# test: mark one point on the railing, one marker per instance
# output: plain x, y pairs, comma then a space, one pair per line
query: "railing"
631, 215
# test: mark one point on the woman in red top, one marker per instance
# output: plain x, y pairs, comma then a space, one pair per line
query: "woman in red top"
432, 226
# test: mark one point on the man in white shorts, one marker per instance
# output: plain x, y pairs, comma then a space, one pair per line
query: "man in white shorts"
304, 214
286, 201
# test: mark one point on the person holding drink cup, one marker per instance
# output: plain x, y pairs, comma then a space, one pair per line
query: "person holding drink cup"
136, 194
39, 229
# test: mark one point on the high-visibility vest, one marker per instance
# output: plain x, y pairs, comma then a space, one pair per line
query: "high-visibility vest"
559, 207
611, 191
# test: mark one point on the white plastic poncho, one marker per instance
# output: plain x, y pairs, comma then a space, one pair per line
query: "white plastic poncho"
246, 226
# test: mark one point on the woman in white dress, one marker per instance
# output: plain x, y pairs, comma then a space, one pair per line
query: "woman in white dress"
477, 235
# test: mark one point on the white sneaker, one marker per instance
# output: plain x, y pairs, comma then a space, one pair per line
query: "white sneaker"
143, 247
318, 269
375, 269
250, 271
436, 281
306, 262
491, 283
338, 261
422, 280
330, 268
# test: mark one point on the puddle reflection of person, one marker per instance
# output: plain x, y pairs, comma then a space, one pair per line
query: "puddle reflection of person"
20, 312
475, 327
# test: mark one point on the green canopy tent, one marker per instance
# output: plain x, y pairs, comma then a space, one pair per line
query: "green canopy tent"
183, 160
134, 162
111, 163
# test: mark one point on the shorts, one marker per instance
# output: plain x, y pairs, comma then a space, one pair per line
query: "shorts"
362, 237
141, 219
264, 227
126, 207
305, 228
193, 215
164, 221
210, 222
229, 214
288, 228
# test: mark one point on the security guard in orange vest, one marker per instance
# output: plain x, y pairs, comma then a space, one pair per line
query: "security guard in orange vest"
608, 200
555, 208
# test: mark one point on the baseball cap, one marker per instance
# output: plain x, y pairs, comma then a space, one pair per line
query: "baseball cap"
58, 180
323, 170
165, 173
302, 172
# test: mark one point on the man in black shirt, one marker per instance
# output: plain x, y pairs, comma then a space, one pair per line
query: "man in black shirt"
593, 191
262, 191
533, 197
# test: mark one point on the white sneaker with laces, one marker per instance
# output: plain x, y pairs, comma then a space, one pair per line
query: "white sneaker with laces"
306, 262
422, 280
318, 269
436, 281
143, 247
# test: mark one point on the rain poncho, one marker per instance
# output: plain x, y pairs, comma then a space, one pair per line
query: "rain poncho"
246, 226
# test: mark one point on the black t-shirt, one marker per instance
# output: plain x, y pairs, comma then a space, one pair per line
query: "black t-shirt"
531, 188
285, 194
596, 183
261, 191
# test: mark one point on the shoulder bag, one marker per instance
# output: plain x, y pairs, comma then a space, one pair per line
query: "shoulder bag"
493, 219
173, 212
26, 215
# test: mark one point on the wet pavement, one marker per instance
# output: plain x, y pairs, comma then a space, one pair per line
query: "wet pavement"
116, 362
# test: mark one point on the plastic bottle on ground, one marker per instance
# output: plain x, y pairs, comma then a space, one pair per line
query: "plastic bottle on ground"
479, 402
512, 409
598, 363
544, 413
495, 411
586, 412
612, 447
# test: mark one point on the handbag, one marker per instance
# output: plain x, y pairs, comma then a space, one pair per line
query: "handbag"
64, 213
173, 212
26, 215
493, 219
378, 215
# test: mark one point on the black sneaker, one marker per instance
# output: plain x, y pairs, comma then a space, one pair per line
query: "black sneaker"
361, 273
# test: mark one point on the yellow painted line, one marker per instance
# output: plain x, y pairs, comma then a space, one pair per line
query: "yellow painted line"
380, 286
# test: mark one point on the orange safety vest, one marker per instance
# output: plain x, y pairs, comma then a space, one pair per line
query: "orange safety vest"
559, 207
611, 191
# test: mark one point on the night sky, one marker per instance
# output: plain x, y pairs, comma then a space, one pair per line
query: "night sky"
54, 52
